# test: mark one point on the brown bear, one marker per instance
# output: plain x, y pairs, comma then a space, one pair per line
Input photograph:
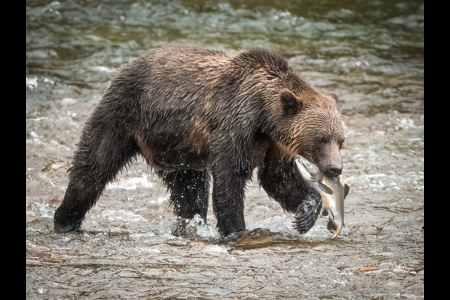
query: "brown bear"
193, 113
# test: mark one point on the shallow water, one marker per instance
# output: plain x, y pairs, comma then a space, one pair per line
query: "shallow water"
369, 54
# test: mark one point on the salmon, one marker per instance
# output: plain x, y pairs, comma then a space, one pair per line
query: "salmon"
332, 191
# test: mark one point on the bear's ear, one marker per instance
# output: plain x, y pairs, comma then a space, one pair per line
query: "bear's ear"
291, 104
334, 96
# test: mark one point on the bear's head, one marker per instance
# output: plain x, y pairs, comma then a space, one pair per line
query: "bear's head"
312, 127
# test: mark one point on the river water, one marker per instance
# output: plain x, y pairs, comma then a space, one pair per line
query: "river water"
370, 53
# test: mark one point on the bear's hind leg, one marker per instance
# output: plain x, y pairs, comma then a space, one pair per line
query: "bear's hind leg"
188, 192
101, 153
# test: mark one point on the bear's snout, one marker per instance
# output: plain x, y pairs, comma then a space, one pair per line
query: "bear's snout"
333, 170
329, 159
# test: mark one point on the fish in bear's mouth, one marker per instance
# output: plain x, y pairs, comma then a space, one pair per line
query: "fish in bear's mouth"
332, 191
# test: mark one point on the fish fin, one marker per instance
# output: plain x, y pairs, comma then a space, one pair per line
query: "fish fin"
346, 190
326, 189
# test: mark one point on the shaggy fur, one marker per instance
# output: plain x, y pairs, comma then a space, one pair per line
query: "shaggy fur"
195, 113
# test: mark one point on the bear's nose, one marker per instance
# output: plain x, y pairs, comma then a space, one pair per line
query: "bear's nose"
333, 170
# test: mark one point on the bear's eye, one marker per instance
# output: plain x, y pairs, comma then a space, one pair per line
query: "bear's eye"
341, 142
323, 140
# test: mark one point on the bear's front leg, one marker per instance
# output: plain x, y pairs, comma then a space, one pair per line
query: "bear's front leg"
282, 181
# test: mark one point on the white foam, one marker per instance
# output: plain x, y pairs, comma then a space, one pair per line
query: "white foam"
122, 215
31, 83
131, 183
214, 249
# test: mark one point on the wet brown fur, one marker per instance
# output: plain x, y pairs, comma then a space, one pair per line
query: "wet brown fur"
194, 113
200, 135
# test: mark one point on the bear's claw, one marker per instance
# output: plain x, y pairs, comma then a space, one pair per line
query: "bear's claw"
63, 222
306, 214
59, 228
